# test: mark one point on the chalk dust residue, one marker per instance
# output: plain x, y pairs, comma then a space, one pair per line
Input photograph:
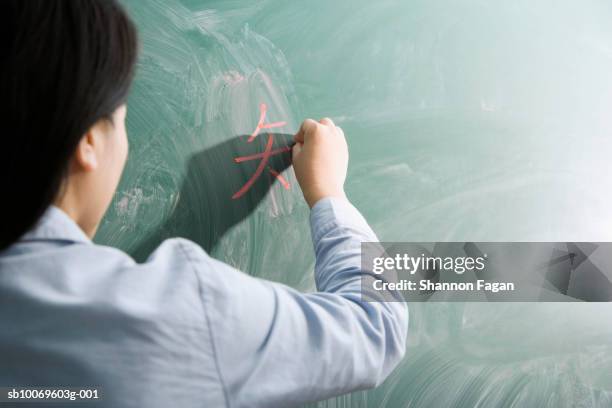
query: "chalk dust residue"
202, 75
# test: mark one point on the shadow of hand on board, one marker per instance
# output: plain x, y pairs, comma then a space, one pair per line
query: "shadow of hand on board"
213, 197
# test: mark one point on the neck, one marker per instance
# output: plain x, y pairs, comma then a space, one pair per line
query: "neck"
71, 204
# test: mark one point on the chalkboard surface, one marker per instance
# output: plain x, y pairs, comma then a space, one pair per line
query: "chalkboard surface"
467, 120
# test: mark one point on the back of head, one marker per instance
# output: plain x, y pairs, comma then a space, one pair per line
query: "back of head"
65, 64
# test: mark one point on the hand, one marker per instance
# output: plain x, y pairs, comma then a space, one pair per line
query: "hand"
320, 160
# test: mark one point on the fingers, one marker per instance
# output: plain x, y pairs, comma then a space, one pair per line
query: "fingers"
308, 126
296, 150
339, 129
327, 122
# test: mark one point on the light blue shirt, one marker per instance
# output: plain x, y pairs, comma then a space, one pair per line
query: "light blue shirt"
185, 330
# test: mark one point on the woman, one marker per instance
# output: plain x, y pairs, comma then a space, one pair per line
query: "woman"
181, 329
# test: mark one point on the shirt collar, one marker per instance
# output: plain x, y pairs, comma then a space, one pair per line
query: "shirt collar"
55, 225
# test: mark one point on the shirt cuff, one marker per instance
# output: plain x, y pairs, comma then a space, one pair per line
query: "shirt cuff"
334, 212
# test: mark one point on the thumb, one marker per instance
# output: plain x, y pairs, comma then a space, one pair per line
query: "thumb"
296, 150
307, 126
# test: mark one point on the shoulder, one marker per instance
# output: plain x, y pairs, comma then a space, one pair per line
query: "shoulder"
192, 258
166, 284
174, 255
182, 278
220, 285
178, 250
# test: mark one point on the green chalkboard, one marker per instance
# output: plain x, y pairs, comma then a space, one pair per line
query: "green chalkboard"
467, 120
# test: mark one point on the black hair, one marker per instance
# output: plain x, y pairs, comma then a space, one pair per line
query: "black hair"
65, 64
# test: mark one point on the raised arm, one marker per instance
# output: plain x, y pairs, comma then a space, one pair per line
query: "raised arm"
276, 346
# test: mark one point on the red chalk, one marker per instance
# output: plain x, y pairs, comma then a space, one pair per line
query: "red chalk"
264, 156
263, 109
273, 125
280, 178
264, 161
259, 155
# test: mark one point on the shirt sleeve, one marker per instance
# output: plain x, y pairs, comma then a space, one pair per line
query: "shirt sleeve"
275, 346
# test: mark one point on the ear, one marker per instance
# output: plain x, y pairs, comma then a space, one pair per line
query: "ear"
86, 155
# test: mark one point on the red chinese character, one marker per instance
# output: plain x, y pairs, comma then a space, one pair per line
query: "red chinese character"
265, 156
263, 108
